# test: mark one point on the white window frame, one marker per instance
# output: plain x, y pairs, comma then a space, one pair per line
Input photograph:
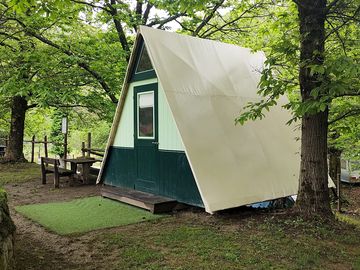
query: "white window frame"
137, 115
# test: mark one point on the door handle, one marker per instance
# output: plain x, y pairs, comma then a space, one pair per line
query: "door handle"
155, 142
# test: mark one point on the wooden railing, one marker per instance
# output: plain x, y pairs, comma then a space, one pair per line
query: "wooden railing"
33, 142
87, 151
86, 148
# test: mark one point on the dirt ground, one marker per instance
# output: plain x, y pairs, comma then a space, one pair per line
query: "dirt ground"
40, 249
351, 200
37, 248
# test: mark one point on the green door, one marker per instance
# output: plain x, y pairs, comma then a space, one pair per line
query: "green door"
146, 138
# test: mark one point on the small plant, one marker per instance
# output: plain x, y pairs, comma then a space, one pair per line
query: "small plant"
56, 136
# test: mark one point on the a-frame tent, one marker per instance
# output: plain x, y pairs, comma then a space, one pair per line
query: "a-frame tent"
174, 132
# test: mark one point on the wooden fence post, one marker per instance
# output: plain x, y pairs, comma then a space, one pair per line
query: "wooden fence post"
45, 146
89, 144
32, 148
83, 149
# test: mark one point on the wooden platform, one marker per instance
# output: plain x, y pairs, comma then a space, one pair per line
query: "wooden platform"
154, 203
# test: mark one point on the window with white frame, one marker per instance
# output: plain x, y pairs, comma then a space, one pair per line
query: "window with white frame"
145, 121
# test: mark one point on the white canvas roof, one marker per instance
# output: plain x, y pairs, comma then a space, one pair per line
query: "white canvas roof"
206, 83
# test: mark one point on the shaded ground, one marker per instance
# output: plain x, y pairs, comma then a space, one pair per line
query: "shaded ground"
18, 173
351, 195
186, 240
37, 248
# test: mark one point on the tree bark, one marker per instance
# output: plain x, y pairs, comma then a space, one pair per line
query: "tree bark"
14, 151
313, 197
119, 29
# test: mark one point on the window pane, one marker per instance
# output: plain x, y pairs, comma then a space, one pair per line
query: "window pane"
144, 63
146, 100
146, 115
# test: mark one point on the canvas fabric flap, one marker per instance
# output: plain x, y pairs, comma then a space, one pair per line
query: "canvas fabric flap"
206, 84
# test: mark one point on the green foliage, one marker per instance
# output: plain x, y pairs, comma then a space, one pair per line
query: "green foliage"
52, 75
7, 226
4, 118
344, 129
38, 122
81, 125
52, 41
56, 137
276, 33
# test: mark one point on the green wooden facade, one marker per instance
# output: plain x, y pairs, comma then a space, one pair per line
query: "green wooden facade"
155, 164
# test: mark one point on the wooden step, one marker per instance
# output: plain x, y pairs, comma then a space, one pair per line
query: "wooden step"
154, 203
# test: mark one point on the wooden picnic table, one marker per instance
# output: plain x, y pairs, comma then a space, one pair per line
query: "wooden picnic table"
85, 164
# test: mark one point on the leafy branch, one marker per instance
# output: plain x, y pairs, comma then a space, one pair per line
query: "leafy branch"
353, 112
68, 52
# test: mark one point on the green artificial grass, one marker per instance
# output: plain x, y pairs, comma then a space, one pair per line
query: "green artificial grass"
84, 214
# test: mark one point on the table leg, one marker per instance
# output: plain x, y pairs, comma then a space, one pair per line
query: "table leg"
72, 177
86, 172
73, 167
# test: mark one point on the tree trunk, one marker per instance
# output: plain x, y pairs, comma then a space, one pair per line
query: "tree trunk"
14, 151
313, 197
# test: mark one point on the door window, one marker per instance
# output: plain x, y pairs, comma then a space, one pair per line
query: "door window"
145, 121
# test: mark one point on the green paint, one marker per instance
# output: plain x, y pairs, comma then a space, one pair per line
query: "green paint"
143, 76
176, 179
140, 76
136, 162
84, 215
120, 169
169, 137
146, 149
144, 88
144, 62
124, 136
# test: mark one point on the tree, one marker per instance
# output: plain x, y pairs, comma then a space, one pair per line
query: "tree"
344, 128
51, 23
323, 77
35, 74
313, 196
344, 133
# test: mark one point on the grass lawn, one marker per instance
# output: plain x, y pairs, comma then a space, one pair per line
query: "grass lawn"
18, 172
187, 240
264, 242
84, 214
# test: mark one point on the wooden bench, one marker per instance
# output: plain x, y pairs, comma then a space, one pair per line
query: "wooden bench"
51, 165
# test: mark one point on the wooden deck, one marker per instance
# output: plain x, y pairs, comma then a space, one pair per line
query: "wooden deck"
154, 203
